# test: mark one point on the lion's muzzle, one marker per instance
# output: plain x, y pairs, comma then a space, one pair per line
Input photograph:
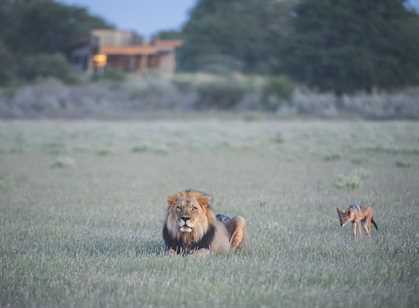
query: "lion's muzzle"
184, 224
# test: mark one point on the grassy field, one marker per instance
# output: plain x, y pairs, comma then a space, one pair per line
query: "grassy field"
82, 206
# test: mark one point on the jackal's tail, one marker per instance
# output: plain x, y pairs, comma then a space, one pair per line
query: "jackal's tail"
375, 225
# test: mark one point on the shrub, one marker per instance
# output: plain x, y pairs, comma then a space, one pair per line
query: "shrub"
384, 105
306, 101
46, 66
375, 105
353, 180
220, 94
63, 162
350, 182
103, 152
189, 92
111, 75
152, 93
402, 164
332, 157
276, 92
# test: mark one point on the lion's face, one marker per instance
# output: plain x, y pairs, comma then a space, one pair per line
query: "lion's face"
188, 214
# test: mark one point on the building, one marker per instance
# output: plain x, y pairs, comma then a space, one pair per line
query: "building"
125, 51
113, 38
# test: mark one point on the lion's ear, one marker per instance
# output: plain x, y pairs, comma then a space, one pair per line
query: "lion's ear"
203, 201
171, 200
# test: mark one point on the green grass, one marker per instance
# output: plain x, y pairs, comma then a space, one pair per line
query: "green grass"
81, 228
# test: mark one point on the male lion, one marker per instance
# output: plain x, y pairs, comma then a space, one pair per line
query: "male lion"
191, 226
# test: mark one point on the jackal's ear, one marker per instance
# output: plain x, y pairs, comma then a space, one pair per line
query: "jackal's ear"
171, 200
340, 212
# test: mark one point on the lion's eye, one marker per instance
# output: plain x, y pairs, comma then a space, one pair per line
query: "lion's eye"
195, 208
178, 208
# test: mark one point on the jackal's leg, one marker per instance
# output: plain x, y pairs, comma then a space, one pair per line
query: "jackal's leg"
360, 229
354, 230
237, 230
366, 226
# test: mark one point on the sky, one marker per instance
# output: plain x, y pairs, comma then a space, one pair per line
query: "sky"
144, 16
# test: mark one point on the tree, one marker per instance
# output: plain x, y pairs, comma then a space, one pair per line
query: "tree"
8, 66
235, 35
46, 65
31, 30
44, 26
347, 45
168, 35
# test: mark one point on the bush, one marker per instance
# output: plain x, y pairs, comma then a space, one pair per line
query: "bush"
382, 105
111, 75
153, 93
277, 91
46, 66
349, 183
220, 94
306, 101
280, 87
138, 94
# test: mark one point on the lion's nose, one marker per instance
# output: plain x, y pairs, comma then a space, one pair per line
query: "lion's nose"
185, 218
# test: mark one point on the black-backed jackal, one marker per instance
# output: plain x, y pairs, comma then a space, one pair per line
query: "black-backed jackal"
359, 216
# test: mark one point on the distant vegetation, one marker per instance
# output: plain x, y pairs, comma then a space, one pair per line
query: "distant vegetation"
236, 35
118, 95
293, 56
340, 46
346, 46
38, 36
343, 46
168, 35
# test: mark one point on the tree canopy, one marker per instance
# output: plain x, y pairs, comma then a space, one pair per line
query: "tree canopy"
349, 45
236, 34
168, 35
32, 28
343, 46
